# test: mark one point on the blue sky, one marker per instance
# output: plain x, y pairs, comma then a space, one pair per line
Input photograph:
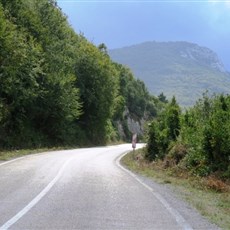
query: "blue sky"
119, 23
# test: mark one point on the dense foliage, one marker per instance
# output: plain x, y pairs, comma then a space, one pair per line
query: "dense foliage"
198, 139
37, 94
163, 130
56, 88
134, 101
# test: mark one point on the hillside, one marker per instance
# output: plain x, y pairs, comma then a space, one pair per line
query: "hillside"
182, 69
57, 88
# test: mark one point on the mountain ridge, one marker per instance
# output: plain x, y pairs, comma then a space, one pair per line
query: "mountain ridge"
183, 69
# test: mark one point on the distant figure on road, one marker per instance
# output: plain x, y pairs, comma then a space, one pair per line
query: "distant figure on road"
134, 141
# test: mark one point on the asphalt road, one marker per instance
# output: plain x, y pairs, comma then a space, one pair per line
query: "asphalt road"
85, 189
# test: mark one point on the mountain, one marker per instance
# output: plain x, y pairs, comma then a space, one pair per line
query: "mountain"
183, 69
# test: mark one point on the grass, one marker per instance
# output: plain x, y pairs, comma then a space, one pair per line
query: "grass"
199, 192
8, 155
11, 154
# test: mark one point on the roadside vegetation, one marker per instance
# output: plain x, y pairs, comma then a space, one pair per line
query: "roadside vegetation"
191, 149
197, 140
11, 154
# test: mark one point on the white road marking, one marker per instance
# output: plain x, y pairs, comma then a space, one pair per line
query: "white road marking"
179, 219
27, 208
10, 161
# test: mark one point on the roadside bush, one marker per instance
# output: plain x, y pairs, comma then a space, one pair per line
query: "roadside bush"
196, 163
198, 140
152, 144
177, 151
215, 184
206, 131
163, 131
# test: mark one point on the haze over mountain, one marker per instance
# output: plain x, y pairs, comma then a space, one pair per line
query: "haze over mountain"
183, 69
123, 23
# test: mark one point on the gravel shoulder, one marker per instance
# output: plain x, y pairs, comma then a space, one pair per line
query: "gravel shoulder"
172, 194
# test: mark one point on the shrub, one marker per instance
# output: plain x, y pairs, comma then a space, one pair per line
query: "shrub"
152, 146
177, 151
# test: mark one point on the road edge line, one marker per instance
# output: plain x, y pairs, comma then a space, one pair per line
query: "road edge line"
178, 217
10, 161
33, 202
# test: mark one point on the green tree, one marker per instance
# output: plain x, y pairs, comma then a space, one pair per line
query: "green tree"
152, 149
37, 92
98, 83
173, 119
20, 69
163, 131
162, 98
216, 134
205, 131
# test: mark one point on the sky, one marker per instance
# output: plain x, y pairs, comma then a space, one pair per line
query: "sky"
120, 23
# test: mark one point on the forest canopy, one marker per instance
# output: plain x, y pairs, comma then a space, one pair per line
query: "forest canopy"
57, 88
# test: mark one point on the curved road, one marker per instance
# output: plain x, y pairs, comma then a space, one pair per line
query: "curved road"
84, 189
